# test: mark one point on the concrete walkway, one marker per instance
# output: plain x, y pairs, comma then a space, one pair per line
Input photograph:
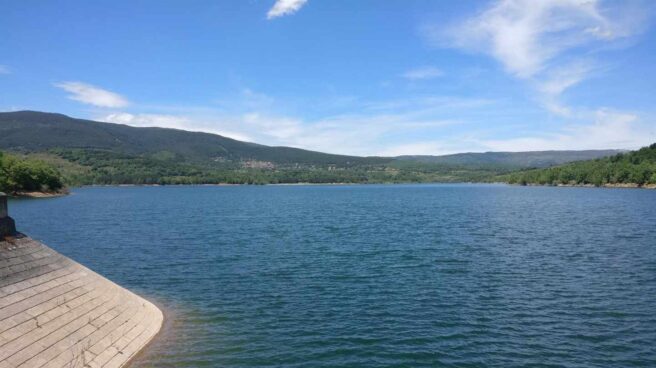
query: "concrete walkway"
55, 312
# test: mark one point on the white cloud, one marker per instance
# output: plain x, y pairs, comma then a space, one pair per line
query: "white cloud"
557, 80
418, 148
349, 134
92, 95
285, 7
525, 35
541, 42
427, 72
428, 125
147, 120
610, 129
365, 133
172, 122
4, 69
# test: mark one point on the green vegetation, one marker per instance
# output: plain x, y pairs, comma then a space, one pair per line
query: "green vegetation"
633, 168
19, 175
512, 160
87, 152
85, 166
31, 131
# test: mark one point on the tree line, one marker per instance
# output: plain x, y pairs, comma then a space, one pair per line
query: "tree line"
107, 167
636, 168
19, 175
51, 171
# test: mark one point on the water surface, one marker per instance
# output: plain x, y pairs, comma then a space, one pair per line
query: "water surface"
374, 276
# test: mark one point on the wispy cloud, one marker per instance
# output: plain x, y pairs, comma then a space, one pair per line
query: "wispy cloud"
195, 124
609, 129
4, 69
346, 134
427, 125
427, 72
542, 42
525, 35
557, 80
92, 95
369, 131
285, 7
147, 120
436, 147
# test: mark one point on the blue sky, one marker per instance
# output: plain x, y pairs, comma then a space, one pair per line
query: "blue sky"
353, 77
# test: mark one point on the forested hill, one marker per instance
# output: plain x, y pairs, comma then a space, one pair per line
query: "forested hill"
531, 159
636, 168
31, 131
91, 152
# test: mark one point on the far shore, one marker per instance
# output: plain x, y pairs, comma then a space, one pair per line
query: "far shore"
619, 185
40, 194
67, 191
615, 186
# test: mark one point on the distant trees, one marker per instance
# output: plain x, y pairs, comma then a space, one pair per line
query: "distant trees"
637, 167
27, 175
92, 166
97, 166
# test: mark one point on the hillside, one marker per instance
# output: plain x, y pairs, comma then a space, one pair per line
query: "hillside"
514, 160
91, 152
636, 168
31, 131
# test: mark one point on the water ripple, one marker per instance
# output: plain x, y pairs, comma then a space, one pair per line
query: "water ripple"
375, 276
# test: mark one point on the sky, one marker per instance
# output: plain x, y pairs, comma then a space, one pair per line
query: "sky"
364, 77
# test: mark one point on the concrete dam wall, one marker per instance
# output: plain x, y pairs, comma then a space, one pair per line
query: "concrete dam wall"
54, 312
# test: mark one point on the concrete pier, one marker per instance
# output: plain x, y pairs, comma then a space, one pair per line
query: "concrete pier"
55, 312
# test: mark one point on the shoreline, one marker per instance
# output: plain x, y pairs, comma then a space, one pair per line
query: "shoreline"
165, 338
616, 186
277, 184
166, 329
604, 186
40, 194
45, 195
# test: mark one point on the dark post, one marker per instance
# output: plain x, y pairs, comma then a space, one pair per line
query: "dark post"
7, 224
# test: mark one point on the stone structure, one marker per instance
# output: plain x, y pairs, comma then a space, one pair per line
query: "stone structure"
55, 312
7, 225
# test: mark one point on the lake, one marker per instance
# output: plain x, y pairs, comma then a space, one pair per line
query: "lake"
374, 275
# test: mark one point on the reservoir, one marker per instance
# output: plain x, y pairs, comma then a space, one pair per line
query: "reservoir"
452, 275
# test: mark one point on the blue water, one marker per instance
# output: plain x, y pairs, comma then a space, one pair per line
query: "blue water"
374, 276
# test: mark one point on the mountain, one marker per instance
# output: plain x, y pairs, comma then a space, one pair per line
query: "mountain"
531, 159
31, 131
91, 152
636, 168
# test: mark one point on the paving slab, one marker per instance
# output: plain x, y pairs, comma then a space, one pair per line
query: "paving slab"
54, 312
